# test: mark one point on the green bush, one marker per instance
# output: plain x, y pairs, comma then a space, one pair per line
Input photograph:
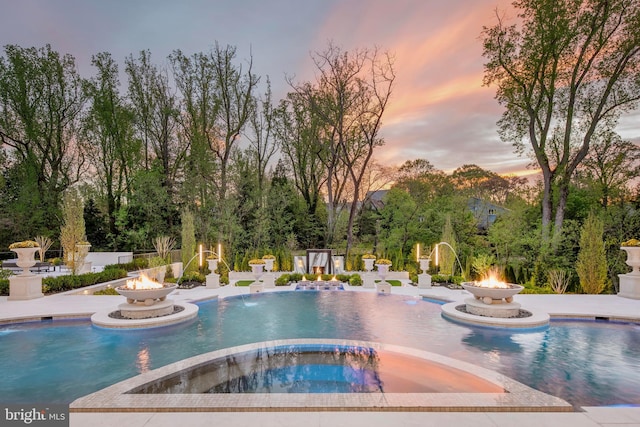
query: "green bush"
192, 276
530, 288
4, 286
343, 277
355, 280
106, 291
440, 278
136, 264
69, 282
295, 277
283, 280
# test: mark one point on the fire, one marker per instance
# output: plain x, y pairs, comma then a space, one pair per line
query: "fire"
319, 279
142, 282
334, 279
492, 281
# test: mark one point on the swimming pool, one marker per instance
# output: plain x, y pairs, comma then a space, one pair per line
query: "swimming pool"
585, 363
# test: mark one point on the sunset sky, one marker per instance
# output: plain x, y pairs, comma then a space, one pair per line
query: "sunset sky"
439, 109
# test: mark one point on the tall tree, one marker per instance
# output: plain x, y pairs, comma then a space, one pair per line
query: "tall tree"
296, 132
261, 140
611, 165
156, 109
41, 101
568, 68
349, 99
108, 133
234, 90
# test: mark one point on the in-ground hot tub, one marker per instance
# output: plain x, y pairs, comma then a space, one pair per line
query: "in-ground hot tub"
339, 374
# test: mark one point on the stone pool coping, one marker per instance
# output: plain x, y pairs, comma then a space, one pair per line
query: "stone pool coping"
516, 398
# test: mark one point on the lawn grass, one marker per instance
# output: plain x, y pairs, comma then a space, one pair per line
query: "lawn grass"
392, 282
244, 282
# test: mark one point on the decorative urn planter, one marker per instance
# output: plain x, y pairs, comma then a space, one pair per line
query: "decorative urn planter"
213, 264
268, 264
630, 282
26, 254
26, 258
368, 263
383, 268
633, 258
424, 264
257, 268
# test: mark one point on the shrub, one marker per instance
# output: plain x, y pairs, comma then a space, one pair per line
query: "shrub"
283, 280
136, 264
67, 283
295, 277
355, 280
192, 276
343, 277
4, 286
106, 291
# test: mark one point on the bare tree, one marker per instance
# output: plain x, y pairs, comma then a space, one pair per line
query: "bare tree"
569, 67
349, 98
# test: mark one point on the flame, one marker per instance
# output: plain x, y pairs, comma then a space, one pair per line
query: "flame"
334, 279
492, 281
304, 279
143, 282
319, 279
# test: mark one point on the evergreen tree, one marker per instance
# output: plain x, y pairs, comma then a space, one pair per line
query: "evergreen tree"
592, 262
72, 231
446, 255
188, 248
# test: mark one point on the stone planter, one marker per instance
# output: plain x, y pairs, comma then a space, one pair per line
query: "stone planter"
212, 279
424, 278
424, 264
268, 264
26, 259
630, 282
257, 271
368, 263
383, 271
633, 258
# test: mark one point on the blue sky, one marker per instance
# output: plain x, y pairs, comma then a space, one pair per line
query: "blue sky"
438, 111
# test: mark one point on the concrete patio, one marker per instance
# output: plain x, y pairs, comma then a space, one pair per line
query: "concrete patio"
611, 307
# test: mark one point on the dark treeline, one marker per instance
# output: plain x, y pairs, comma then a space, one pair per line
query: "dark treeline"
202, 136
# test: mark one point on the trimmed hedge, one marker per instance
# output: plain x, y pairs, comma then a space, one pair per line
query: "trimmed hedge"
66, 283
52, 285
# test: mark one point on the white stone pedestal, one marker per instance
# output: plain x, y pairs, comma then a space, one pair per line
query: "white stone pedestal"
501, 310
212, 281
424, 281
383, 288
268, 280
368, 280
256, 288
629, 286
143, 311
23, 287
85, 268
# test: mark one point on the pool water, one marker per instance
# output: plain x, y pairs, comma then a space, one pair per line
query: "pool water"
585, 363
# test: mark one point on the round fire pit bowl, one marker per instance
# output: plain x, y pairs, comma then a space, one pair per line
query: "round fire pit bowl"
146, 296
492, 295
